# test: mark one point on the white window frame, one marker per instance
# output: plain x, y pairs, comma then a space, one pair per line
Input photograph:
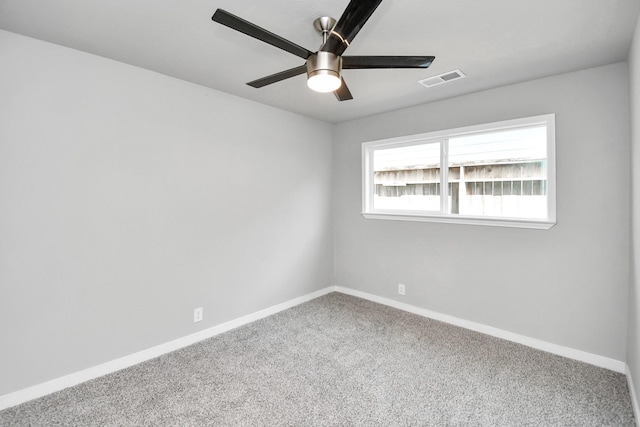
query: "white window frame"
442, 137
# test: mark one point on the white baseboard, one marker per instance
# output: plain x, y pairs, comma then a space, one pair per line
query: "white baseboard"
634, 396
39, 390
75, 378
593, 359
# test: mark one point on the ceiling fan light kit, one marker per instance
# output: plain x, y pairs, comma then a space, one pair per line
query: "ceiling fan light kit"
323, 72
324, 67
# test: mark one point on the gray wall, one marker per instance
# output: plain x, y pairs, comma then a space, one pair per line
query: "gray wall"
567, 285
633, 345
128, 198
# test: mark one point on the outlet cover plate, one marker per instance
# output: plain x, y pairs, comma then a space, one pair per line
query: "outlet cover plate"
197, 314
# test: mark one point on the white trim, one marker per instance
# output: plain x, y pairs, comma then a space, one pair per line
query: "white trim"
590, 358
450, 219
465, 130
634, 396
78, 377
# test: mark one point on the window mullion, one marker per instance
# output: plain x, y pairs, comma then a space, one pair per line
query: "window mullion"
444, 176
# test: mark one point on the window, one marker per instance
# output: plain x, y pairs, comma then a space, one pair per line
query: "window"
495, 174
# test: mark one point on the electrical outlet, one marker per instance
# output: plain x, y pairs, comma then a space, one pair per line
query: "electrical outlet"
400, 288
197, 314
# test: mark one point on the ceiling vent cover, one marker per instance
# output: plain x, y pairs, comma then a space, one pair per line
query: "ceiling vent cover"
442, 78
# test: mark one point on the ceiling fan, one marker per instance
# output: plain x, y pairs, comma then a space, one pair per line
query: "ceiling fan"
324, 67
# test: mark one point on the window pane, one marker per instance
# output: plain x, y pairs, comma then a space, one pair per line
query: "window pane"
503, 173
407, 178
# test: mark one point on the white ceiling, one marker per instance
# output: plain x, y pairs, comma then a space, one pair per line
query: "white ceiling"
494, 42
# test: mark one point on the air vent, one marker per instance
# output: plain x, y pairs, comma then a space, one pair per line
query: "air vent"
442, 78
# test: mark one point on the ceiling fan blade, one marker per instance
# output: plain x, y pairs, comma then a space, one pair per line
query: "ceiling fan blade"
225, 18
359, 62
274, 78
343, 93
352, 20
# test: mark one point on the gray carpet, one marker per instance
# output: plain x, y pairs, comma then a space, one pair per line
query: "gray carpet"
343, 361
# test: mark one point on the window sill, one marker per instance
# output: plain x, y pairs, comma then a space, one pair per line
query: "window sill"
465, 220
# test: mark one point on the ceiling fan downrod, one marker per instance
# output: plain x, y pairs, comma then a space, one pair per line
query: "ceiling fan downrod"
324, 25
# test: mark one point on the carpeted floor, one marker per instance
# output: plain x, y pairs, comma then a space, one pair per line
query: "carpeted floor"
343, 361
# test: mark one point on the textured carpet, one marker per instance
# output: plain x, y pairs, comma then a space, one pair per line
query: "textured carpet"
343, 361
